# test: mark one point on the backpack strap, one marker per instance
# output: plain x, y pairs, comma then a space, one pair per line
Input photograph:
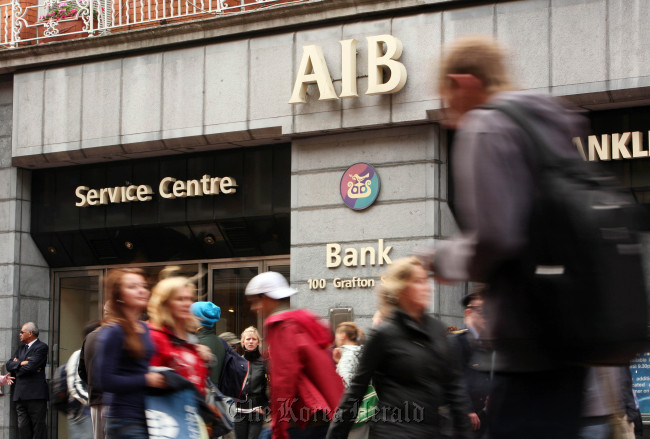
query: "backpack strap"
541, 154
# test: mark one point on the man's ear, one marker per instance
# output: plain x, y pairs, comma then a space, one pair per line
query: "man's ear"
465, 81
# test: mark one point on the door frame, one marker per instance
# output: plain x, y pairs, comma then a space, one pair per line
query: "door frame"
262, 265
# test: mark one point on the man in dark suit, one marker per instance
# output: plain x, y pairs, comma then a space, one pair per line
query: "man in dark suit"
468, 342
30, 390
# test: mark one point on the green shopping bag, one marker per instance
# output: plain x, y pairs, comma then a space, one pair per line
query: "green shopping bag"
368, 407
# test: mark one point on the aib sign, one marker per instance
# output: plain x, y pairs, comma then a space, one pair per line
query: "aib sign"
359, 186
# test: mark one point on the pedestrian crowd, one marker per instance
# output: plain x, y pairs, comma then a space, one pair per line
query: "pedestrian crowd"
410, 377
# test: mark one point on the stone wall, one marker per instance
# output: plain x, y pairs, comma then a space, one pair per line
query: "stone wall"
24, 275
409, 212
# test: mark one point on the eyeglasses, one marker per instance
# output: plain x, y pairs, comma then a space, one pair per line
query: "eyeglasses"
477, 309
24, 332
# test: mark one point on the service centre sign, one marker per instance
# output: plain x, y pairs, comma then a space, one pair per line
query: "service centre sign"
168, 188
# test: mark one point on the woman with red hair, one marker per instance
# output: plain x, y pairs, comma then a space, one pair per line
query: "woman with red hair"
122, 364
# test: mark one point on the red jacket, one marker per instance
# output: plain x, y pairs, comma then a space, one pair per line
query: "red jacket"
173, 352
303, 374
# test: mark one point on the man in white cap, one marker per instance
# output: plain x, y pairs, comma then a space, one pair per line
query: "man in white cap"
305, 388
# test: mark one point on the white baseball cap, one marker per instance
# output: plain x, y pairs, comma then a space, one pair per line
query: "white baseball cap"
271, 284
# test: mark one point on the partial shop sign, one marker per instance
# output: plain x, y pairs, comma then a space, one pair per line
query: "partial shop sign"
640, 368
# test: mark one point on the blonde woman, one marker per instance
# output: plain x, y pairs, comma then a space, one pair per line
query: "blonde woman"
411, 365
251, 409
172, 325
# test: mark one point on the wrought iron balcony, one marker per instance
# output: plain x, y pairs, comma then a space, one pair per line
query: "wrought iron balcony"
25, 22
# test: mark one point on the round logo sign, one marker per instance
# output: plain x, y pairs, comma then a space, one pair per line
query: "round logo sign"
359, 186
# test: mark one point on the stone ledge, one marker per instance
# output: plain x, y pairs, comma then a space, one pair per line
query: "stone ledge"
261, 21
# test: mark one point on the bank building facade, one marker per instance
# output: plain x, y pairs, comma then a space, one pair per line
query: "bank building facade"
234, 137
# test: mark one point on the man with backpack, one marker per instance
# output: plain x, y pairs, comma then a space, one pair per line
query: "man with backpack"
498, 182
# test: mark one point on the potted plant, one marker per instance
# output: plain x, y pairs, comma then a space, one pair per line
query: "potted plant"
66, 19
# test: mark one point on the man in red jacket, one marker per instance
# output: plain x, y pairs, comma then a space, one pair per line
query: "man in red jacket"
305, 388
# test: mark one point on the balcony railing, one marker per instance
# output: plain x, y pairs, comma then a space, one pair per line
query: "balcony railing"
25, 22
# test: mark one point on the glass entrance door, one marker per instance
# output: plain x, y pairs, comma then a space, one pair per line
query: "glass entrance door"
77, 302
228, 285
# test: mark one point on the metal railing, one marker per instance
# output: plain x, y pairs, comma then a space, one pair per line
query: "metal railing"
26, 22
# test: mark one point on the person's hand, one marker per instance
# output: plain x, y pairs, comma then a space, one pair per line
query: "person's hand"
22, 363
15, 359
475, 421
336, 355
204, 352
9, 378
155, 379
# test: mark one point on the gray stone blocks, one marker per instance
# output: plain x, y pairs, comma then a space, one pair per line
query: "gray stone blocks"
28, 113
270, 78
468, 21
524, 27
182, 85
101, 101
630, 37
405, 215
35, 281
37, 311
397, 220
8, 245
578, 42
8, 215
421, 36
29, 253
319, 115
375, 147
141, 118
221, 94
62, 109
225, 64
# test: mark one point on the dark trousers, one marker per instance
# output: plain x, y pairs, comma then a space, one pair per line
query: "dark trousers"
31, 416
536, 405
248, 426
310, 432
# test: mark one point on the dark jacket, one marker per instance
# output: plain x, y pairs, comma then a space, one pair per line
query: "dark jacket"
208, 337
257, 378
413, 369
88, 352
30, 379
120, 376
477, 382
495, 185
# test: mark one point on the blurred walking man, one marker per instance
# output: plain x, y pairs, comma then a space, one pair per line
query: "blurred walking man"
534, 393
30, 391
305, 388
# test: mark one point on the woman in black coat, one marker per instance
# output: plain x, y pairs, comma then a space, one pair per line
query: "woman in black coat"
251, 408
411, 365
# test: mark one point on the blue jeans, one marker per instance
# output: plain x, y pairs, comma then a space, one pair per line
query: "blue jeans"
126, 428
80, 428
595, 431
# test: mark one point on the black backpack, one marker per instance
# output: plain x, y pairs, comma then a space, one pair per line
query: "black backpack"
234, 373
60, 393
585, 265
60, 399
